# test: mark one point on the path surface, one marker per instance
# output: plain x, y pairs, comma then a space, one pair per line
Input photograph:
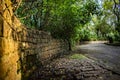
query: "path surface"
73, 69
81, 64
105, 55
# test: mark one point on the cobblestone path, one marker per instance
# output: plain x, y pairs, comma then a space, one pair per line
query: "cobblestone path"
73, 69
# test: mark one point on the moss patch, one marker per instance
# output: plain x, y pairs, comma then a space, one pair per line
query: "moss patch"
77, 56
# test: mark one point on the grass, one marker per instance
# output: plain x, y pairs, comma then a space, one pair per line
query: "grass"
77, 56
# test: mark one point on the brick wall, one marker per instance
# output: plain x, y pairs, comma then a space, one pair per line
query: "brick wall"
22, 49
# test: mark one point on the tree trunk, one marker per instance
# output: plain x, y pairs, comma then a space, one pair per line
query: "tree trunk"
70, 47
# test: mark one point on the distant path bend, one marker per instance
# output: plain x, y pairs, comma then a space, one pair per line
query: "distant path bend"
107, 56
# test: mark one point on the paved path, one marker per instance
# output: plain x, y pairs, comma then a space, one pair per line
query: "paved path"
73, 69
105, 55
85, 63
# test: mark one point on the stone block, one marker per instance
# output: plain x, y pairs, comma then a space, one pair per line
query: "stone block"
8, 67
18, 26
10, 45
7, 16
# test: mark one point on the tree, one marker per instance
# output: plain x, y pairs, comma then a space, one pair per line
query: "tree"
116, 11
61, 18
112, 13
73, 15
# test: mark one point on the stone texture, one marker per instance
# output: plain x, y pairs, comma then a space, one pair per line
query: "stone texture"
22, 49
1, 26
64, 69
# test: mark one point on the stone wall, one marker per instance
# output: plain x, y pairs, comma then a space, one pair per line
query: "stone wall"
36, 48
8, 47
22, 50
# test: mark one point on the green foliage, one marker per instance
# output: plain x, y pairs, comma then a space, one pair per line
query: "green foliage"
112, 15
87, 33
108, 4
64, 19
26, 13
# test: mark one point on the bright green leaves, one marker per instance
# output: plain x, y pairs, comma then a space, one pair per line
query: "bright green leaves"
108, 4
88, 8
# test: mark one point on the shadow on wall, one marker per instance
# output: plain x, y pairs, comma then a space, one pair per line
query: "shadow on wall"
37, 48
